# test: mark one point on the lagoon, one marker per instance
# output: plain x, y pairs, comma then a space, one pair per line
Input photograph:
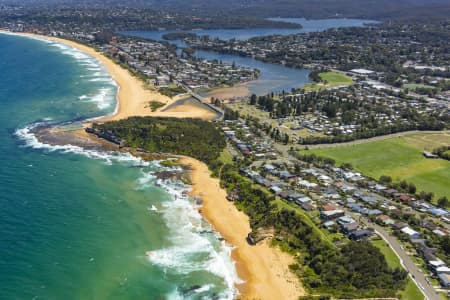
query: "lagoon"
245, 34
273, 78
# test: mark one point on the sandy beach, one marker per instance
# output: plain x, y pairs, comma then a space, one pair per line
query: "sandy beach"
264, 269
133, 97
225, 93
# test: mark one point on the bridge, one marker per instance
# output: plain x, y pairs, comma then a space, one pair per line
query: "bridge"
220, 113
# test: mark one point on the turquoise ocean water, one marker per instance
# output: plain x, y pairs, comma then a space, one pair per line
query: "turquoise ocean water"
78, 224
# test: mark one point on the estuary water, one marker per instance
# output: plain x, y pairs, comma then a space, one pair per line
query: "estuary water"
79, 224
273, 78
245, 34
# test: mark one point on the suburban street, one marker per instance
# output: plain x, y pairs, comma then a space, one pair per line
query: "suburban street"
416, 274
414, 271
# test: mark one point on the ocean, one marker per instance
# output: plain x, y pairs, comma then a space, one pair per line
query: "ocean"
79, 224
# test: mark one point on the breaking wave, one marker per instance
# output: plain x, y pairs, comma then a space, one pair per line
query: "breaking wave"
195, 247
30, 140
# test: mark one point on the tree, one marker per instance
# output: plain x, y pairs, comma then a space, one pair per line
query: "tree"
403, 184
253, 99
385, 179
412, 188
286, 139
426, 196
445, 244
347, 166
443, 202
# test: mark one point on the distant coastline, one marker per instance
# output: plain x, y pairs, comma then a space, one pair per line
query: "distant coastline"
263, 268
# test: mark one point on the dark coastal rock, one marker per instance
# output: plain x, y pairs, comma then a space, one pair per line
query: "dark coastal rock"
165, 175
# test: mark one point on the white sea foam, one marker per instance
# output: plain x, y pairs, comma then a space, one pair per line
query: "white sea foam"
103, 99
30, 140
90, 63
101, 79
191, 250
194, 247
202, 289
71, 51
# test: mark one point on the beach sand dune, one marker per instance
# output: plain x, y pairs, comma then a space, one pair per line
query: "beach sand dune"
264, 269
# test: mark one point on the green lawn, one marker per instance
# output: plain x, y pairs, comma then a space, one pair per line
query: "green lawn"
400, 158
226, 157
391, 259
330, 79
411, 291
413, 86
282, 204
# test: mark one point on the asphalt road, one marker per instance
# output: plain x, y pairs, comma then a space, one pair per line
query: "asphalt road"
416, 274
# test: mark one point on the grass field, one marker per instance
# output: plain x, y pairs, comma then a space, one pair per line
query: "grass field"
330, 79
413, 86
400, 158
411, 291
226, 157
391, 259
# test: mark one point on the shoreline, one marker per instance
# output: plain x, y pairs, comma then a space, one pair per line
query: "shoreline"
132, 95
264, 269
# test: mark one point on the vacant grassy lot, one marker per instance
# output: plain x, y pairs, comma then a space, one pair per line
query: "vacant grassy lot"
330, 79
391, 259
400, 158
411, 291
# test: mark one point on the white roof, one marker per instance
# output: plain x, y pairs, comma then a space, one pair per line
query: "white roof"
436, 263
276, 189
409, 231
439, 232
443, 269
362, 71
332, 212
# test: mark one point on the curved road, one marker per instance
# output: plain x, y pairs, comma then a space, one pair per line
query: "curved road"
416, 275
414, 271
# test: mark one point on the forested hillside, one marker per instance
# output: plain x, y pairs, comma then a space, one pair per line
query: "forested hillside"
373, 9
192, 137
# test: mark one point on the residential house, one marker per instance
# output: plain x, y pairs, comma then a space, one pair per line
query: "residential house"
386, 220
444, 279
361, 234
331, 214
413, 235
399, 226
347, 228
